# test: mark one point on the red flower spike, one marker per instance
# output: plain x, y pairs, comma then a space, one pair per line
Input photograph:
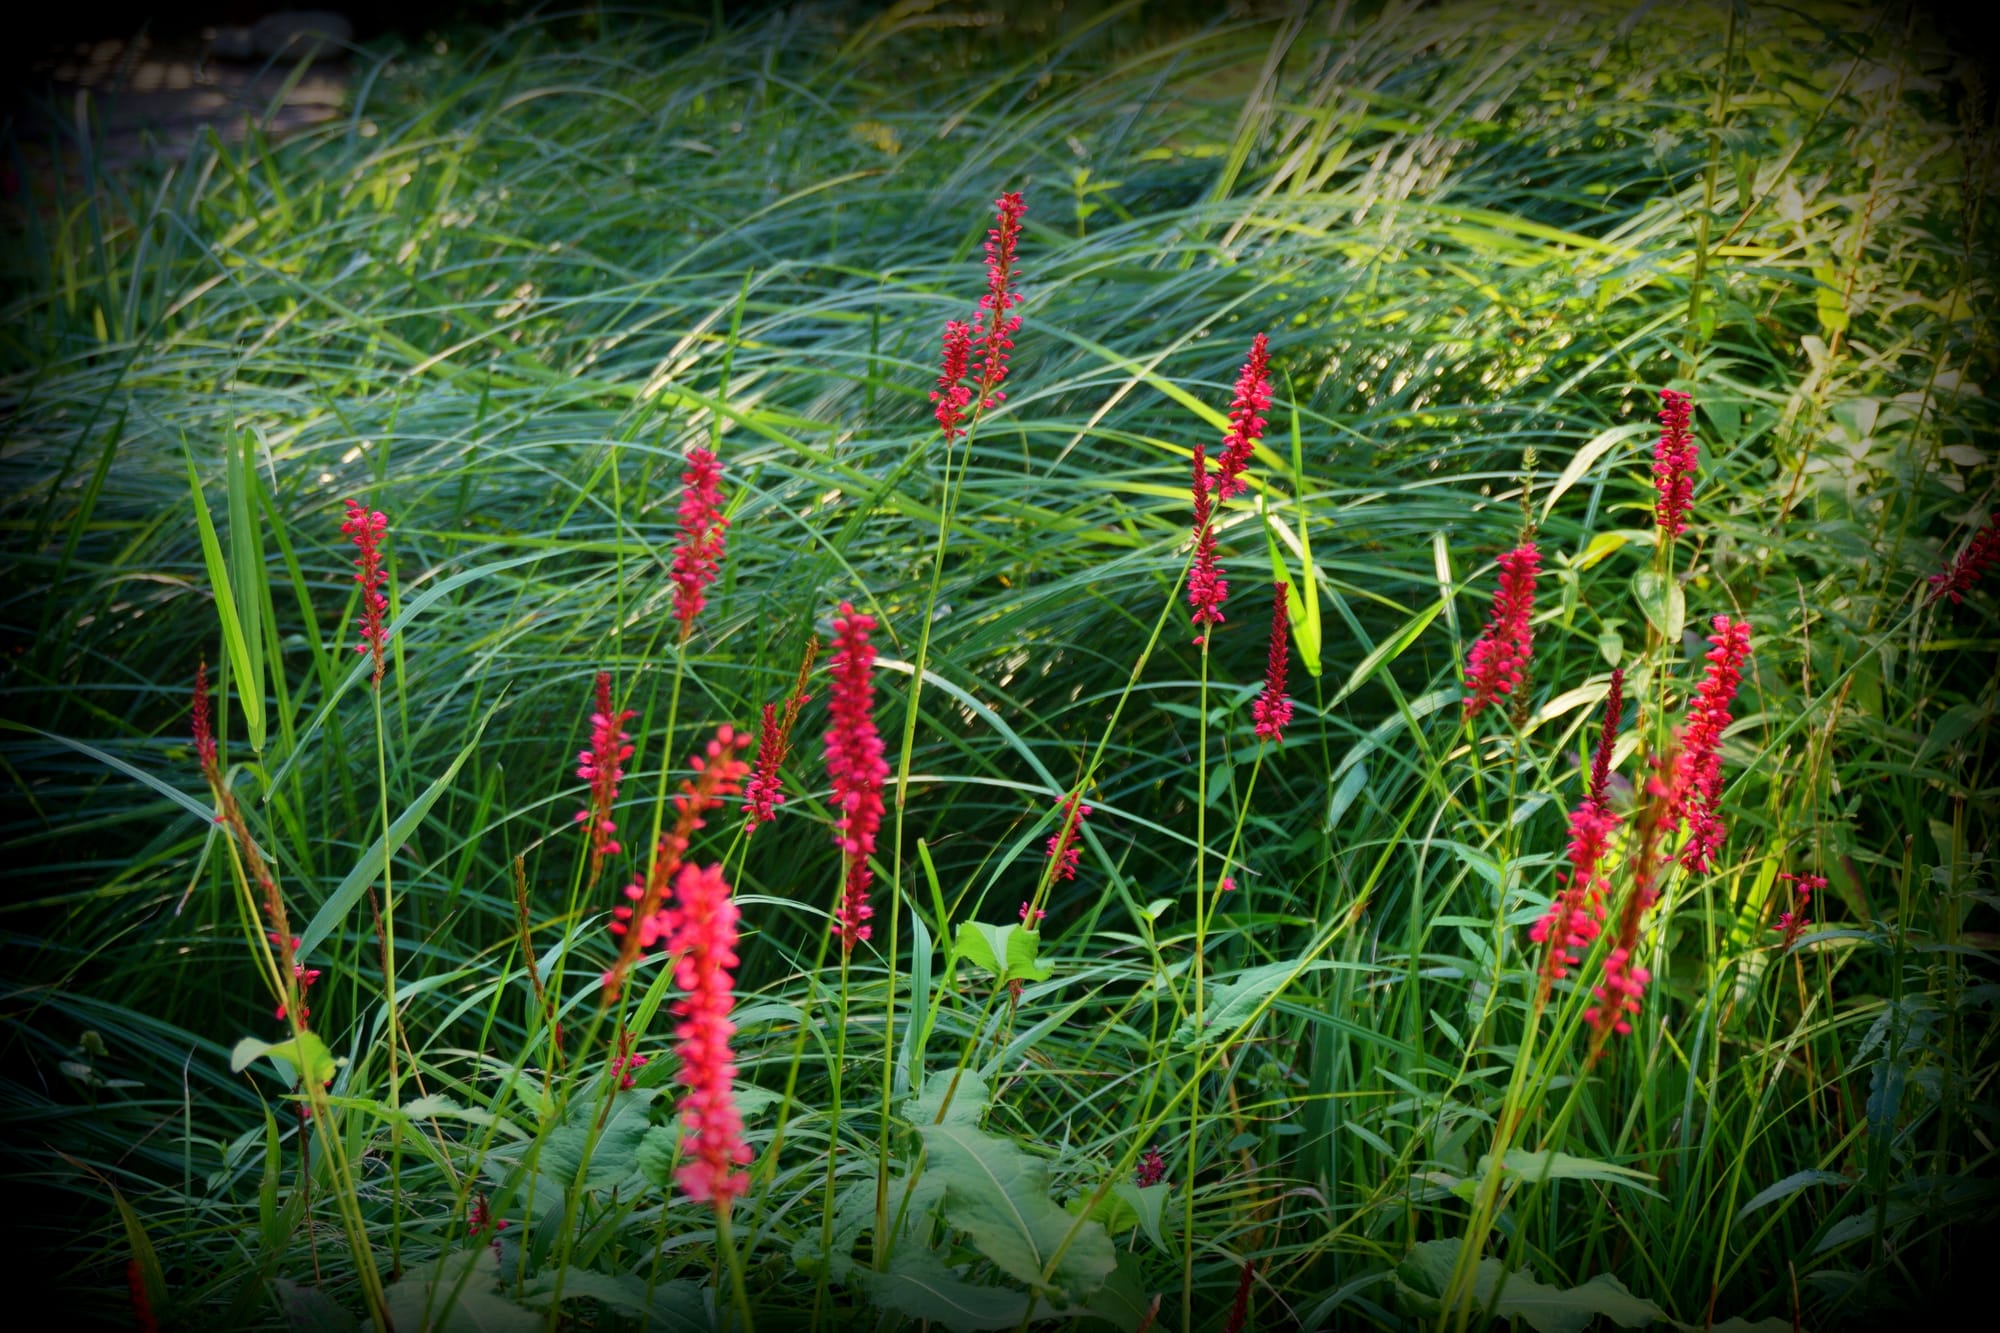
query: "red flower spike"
1957, 579
204, 730
1499, 661
702, 934
858, 771
699, 554
1675, 459
719, 772
1792, 924
951, 394
1697, 786
765, 791
1031, 917
1152, 1168
993, 329
1239, 1311
1246, 421
1206, 585
602, 766
1623, 988
1063, 848
366, 528
1607, 737
1576, 918
1272, 710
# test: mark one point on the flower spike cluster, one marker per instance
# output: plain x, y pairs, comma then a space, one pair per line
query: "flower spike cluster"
366, 528
1619, 995
951, 395
1206, 585
1498, 662
1957, 580
1273, 710
1246, 419
1675, 459
1063, 848
719, 771
1576, 918
1792, 924
1697, 786
766, 789
703, 936
703, 527
993, 329
602, 765
854, 762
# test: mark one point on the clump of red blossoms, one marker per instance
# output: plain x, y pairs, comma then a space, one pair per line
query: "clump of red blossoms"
1697, 787
702, 933
1957, 580
1031, 916
1272, 709
703, 527
1576, 918
765, 791
858, 771
305, 976
1206, 585
993, 329
1152, 1168
602, 766
1793, 924
1064, 850
1499, 660
625, 1063
719, 771
1624, 986
1675, 459
951, 394
366, 529
1246, 420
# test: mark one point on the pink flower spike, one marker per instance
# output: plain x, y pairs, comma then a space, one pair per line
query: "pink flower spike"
1246, 420
993, 329
1152, 1168
1697, 786
1499, 661
1206, 585
204, 731
1957, 579
951, 394
1576, 918
602, 766
766, 789
703, 935
699, 554
1063, 848
1792, 924
366, 529
1675, 459
1607, 737
1272, 710
858, 771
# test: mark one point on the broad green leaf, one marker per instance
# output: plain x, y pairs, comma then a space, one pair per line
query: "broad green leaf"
310, 1310
1426, 1271
1662, 601
1125, 1206
675, 1307
458, 1295
305, 1053
986, 946
369, 868
999, 1196
1536, 1167
1122, 1301
969, 1097
614, 1155
917, 1284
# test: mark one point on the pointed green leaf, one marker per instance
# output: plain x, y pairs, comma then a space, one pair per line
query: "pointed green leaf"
305, 1053
999, 1196
1390, 649
249, 686
1663, 602
987, 946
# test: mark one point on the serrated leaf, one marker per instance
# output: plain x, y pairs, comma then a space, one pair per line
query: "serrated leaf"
999, 1196
615, 1153
969, 1099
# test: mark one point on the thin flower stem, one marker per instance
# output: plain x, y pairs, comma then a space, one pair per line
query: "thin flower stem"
393, 1027
833, 1147
1196, 973
739, 1295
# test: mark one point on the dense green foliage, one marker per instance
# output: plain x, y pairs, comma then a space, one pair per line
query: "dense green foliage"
502, 294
